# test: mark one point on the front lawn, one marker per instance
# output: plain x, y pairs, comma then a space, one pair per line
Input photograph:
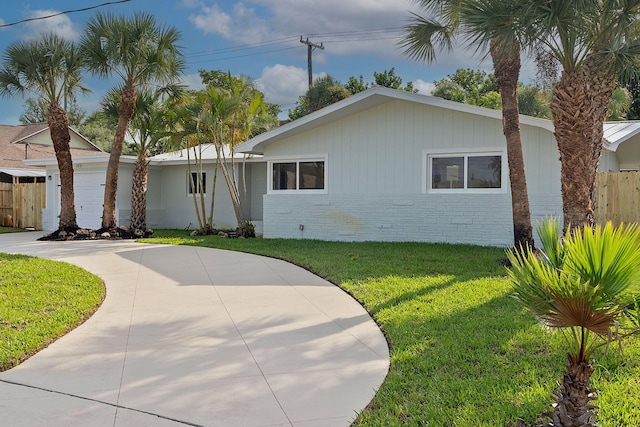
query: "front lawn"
40, 300
464, 353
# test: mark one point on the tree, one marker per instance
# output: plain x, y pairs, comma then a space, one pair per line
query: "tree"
325, 91
584, 284
468, 86
147, 129
388, 78
99, 129
49, 68
229, 111
139, 52
493, 24
595, 42
354, 85
533, 101
619, 105
36, 111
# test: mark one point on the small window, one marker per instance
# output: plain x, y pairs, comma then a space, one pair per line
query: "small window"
465, 172
197, 183
298, 176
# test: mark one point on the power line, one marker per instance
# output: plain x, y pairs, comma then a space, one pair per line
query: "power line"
284, 40
244, 56
65, 12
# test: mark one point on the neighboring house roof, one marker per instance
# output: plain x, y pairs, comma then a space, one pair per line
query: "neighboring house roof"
615, 133
18, 143
22, 172
365, 100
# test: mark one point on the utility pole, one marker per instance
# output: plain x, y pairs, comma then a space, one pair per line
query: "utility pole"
310, 48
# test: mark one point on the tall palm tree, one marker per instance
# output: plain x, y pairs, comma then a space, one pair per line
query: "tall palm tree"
582, 283
49, 68
139, 52
147, 129
493, 24
595, 42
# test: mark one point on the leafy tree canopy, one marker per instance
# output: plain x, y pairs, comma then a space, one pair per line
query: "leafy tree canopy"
35, 111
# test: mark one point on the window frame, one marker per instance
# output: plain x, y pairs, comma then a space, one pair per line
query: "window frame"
297, 160
204, 179
429, 155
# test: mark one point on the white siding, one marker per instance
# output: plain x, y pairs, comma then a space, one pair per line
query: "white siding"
375, 179
177, 205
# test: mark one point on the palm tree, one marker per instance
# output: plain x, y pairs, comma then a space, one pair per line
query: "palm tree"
594, 42
492, 23
582, 283
141, 53
147, 129
49, 68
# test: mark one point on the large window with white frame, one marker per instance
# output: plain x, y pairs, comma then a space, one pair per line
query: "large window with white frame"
304, 175
460, 172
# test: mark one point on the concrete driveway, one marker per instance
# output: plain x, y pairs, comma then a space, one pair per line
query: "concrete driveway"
198, 337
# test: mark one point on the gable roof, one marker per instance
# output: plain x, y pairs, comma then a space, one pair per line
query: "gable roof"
365, 100
16, 145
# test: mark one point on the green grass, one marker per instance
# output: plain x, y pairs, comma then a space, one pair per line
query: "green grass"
464, 353
10, 230
41, 300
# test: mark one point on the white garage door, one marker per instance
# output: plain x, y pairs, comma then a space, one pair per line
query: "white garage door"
89, 192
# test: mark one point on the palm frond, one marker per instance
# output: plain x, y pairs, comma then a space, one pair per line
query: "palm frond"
424, 37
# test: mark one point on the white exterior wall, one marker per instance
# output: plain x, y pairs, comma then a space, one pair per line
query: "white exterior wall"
176, 204
376, 175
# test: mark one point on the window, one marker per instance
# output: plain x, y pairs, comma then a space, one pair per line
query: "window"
197, 184
298, 176
465, 172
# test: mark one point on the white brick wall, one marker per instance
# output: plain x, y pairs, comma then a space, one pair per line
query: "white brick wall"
482, 219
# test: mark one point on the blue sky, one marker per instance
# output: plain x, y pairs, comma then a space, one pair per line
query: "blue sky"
257, 38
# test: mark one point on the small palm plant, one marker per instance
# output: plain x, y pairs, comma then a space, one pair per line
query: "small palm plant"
584, 283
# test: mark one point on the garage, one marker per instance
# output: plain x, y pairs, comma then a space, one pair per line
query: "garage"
89, 196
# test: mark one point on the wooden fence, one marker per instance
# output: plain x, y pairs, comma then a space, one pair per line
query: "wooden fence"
618, 197
21, 205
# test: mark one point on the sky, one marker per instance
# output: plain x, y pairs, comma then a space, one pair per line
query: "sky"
255, 38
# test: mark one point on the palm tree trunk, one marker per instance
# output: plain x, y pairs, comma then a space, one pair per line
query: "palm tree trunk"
601, 90
579, 108
127, 105
59, 129
139, 193
574, 122
506, 63
573, 405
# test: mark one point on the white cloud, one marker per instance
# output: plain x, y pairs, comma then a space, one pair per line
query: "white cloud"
192, 81
423, 87
337, 23
283, 84
60, 25
241, 24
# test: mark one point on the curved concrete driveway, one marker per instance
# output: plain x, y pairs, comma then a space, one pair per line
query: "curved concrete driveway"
196, 336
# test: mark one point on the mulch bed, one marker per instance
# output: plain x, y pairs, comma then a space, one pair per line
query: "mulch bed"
119, 233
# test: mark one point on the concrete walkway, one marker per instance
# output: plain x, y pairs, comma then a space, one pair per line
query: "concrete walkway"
198, 337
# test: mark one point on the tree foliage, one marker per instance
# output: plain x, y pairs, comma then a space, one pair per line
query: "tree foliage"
50, 68
35, 111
